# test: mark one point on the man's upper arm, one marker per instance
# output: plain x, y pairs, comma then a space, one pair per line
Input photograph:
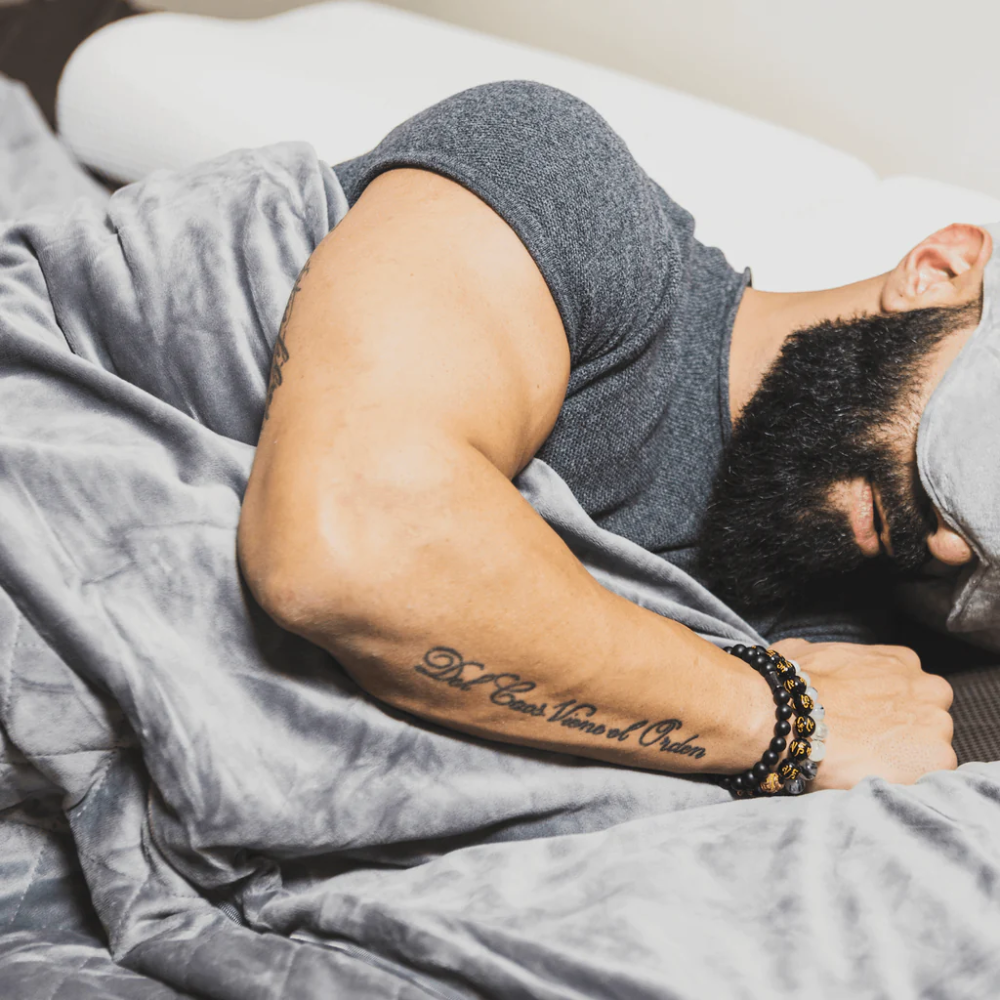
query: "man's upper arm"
421, 309
420, 343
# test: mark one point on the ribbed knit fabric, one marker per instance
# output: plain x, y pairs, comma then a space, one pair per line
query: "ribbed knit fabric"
647, 309
976, 711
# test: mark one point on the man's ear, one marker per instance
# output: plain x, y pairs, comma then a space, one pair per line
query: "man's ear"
946, 269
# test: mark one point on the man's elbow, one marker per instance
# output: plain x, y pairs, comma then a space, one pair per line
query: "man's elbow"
360, 569
285, 593
336, 582
305, 586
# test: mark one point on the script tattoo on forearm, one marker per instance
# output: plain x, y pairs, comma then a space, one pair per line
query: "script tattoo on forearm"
281, 355
508, 690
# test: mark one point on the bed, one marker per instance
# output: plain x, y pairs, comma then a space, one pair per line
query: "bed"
341, 75
197, 804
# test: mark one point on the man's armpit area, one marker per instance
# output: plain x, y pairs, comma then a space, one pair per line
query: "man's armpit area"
423, 304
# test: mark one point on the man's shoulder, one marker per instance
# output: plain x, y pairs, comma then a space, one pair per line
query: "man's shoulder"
602, 233
517, 114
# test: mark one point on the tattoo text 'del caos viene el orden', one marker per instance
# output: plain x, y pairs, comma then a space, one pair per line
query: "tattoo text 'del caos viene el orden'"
280, 354
508, 691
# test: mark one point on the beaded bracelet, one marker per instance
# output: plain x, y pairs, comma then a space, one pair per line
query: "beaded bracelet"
798, 715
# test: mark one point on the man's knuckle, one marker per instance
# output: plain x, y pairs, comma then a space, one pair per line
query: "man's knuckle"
944, 691
938, 726
948, 726
935, 690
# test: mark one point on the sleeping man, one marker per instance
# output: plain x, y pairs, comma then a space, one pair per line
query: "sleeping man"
509, 284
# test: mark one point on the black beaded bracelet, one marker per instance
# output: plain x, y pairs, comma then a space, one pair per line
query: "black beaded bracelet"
798, 715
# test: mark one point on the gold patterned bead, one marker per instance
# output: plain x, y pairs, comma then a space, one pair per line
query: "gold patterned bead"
805, 725
799, 748
788, 770
806, 703
770, 785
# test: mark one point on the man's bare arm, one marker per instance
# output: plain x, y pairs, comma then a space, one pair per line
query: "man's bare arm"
421, 364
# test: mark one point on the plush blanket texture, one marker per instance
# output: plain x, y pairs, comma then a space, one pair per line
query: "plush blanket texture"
195, 803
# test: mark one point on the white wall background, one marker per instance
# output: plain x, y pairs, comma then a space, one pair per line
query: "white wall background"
911, 86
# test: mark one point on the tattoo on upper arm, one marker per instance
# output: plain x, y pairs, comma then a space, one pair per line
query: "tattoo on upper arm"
506, 690
281, 355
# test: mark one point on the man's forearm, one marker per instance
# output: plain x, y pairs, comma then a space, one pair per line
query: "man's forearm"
472, 613
565, 716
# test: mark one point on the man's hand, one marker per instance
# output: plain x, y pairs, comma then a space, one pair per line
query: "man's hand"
887, 716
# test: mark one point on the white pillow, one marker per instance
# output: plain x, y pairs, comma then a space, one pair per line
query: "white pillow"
858, 236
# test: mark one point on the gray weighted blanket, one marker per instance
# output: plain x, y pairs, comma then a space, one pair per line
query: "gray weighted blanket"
195, 803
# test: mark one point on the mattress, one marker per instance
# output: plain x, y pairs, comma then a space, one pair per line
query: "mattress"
167, 90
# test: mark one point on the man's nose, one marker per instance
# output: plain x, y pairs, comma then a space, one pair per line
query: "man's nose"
947, 545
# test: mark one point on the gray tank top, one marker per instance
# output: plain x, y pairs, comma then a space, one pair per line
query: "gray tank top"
647, 310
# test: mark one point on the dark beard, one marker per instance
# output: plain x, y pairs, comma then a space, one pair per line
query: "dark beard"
771, 538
